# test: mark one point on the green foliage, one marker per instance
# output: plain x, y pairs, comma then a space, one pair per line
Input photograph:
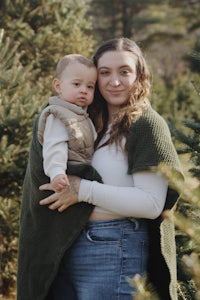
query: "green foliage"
187, 222
187, 216
17, 95
194, 58
117, 18
47, 30
34, 35
177, 100
16, 114
193, 146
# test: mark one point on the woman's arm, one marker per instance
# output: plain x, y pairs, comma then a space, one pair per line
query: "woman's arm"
145, 199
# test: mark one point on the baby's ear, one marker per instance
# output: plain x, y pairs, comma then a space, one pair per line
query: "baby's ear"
56, 85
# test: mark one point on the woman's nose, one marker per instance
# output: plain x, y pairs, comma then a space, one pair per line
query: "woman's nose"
114, 80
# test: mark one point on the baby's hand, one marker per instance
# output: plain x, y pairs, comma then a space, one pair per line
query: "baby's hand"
60, 182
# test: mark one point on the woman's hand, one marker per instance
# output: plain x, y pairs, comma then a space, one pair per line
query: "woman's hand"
63, 199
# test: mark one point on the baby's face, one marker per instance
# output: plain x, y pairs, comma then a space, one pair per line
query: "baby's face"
77, 84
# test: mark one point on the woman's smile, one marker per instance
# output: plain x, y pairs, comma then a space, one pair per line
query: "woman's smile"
115, 92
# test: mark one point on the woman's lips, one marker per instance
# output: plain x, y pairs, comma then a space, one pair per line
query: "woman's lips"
115, 92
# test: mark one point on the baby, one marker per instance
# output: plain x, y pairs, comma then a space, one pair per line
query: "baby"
65, 130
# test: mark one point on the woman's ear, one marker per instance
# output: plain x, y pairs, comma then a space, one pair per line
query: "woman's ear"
56, 85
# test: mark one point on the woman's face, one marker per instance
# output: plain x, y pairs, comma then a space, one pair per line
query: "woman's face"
116, 77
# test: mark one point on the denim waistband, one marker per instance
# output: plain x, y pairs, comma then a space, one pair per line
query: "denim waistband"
121, 222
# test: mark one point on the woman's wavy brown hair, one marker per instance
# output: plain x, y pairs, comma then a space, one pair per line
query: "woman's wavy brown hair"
135, 105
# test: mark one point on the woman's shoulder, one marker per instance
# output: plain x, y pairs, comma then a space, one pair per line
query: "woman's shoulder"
152, 116
150, 119
150, 126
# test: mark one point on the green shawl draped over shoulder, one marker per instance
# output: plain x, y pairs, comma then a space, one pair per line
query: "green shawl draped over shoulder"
45, 235
149, 145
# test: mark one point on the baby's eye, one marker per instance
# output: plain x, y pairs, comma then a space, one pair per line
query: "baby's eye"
76, 83
91, 87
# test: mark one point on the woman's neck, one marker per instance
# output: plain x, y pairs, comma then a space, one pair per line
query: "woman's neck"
112, 113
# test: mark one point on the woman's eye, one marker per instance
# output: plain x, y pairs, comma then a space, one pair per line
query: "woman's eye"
91, 87
104, 73
125, 72
76, 83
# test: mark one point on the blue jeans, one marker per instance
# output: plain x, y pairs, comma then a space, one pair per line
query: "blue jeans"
104, 256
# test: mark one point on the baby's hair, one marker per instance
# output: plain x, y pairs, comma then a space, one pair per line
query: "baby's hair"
71, 58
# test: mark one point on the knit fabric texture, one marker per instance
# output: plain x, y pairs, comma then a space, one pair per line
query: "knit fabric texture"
45, 235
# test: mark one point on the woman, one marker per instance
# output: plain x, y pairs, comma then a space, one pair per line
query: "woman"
122, 236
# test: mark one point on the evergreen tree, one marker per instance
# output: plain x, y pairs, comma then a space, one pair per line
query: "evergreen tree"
188, 207
187, 216
17, 95
47, 30
117, 18
34, 35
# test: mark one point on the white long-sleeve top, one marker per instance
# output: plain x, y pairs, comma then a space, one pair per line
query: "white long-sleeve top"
140, 195
55, 146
